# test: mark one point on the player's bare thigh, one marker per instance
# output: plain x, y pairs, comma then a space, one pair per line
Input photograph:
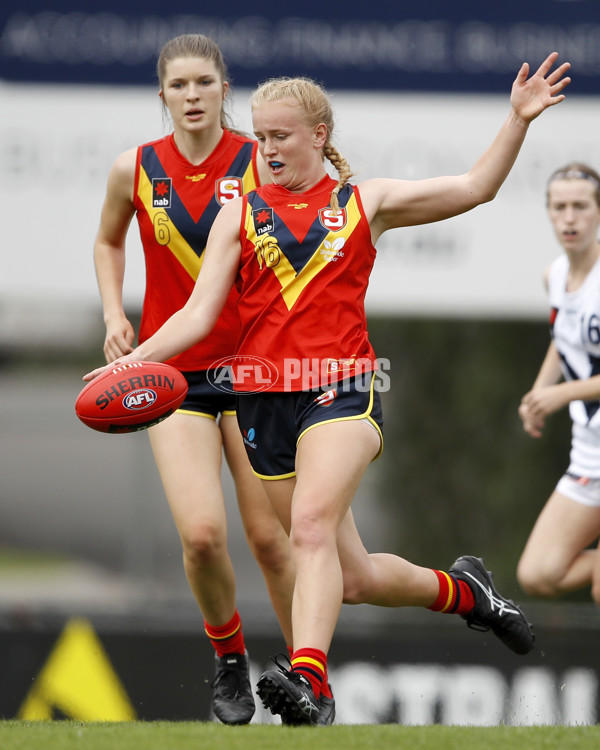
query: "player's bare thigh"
331, 460
188, 453
562, 531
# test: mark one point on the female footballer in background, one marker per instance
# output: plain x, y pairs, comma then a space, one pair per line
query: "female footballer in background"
557, 557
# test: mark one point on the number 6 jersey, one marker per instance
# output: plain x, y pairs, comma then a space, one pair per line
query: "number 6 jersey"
176, 204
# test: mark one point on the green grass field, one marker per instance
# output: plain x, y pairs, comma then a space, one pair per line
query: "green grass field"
74, 735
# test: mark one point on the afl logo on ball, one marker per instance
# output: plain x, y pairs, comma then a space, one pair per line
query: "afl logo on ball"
142, 398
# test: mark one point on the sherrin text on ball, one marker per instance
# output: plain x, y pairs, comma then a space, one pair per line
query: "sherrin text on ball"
131, 397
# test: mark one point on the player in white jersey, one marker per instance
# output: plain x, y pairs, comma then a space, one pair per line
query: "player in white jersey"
561, 553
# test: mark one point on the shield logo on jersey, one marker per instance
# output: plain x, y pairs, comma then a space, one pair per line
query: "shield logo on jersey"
161, 192
332, 220
228, 188
263, 220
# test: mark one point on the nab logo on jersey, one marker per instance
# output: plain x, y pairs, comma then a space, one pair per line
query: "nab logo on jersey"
332, 220
263, 220
161, 192
228, 188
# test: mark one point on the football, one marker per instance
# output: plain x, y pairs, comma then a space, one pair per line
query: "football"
131, 397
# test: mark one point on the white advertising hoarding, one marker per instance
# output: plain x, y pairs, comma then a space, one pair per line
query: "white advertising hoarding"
58, 142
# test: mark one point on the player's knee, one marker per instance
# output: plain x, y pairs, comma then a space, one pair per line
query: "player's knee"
356, 587
271, 552
536, 581
354, 592
203, 545
309, 533
529, 584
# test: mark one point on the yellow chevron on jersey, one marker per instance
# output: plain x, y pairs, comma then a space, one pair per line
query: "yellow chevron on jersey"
175, 215
165, 231
269, 253
248, 180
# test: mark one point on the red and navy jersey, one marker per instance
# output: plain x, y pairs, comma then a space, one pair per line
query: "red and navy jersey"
303, 278
176, 203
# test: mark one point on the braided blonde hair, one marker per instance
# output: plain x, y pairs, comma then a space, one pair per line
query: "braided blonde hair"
317, 109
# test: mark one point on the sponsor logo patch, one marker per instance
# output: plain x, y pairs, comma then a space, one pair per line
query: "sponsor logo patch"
263, 220
161, 192
249, 436
327, 398
331, 251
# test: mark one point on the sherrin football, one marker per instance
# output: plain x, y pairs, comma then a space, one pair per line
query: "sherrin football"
131, 397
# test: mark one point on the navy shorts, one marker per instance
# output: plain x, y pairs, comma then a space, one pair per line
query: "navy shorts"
272, 423
203, 398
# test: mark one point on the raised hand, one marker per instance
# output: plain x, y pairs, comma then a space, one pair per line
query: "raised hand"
531, 96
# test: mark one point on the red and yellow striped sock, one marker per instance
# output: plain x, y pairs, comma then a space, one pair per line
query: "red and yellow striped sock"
325, 686
228, 638
454, 597
311, 664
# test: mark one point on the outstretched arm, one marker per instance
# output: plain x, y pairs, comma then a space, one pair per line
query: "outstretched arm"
393, 203
197, 317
